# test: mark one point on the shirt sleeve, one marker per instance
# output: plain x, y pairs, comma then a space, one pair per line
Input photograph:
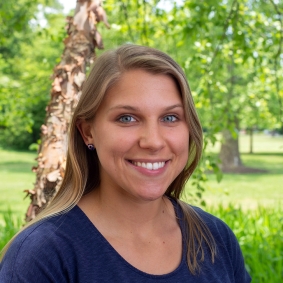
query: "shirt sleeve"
227, 243
240, 273
29, 260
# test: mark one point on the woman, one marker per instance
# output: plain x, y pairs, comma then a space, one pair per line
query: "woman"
134, 140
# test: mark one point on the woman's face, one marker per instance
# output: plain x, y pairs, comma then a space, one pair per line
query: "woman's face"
140, 135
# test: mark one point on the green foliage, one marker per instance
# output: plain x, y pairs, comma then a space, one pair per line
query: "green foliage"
227, 48
28, 54
8, 228
260, 234
14, 21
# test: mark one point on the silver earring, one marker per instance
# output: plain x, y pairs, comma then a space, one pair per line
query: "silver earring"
91, 147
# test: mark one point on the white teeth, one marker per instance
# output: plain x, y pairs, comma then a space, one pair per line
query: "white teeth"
150, 166
155, 166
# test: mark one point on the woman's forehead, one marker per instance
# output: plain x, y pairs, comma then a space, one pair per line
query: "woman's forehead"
137, 86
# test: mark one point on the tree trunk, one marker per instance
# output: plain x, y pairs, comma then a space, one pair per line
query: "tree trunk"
68, 78
229, 152
251, 130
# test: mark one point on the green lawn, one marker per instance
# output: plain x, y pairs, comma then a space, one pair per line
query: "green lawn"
15, 177
250, 190
262, 144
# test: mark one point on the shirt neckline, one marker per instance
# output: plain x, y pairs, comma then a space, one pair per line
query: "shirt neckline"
178, 214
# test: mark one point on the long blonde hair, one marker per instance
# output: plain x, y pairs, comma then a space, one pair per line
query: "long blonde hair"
78, 180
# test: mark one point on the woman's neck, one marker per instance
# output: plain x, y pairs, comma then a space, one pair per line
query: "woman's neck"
123, 213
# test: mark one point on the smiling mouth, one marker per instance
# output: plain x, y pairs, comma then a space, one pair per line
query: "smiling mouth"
149, 165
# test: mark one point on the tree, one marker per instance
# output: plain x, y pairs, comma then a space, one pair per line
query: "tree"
68, 78
26, 50
230, 49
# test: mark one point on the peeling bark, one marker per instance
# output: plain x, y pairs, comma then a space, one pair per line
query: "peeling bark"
68, 78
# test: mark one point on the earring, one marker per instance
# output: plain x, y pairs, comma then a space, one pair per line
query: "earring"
91, 147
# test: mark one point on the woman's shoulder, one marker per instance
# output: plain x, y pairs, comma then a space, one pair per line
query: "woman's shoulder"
221, 232
41, 247
47, 229
215, 224
212, 221
228, 248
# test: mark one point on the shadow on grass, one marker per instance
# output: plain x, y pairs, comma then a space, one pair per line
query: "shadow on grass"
263, 154
17, 166
244, 170
263, 163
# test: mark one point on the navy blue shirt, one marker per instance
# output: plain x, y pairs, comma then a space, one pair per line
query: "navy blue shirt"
68, 249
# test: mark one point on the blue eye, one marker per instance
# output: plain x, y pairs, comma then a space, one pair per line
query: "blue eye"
170, 118
126, 119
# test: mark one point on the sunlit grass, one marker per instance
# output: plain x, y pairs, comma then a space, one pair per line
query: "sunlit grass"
261, 144
15, 177
250, 190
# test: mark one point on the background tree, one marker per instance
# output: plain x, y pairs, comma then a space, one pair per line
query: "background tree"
30, 44
68, 78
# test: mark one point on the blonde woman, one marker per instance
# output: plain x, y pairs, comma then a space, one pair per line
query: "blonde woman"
134, 141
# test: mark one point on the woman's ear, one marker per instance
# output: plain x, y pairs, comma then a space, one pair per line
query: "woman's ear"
86, 131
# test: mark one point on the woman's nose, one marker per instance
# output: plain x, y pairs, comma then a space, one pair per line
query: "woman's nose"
152, 137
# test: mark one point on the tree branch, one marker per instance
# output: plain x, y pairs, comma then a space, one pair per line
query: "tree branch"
224, 32
277, 63
144, 21
125, 10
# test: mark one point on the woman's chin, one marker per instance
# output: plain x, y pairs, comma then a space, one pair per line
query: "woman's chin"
150, 195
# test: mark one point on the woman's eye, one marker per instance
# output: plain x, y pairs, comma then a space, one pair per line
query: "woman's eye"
170, 118
126, 119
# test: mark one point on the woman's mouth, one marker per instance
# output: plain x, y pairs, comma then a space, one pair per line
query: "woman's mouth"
149, 165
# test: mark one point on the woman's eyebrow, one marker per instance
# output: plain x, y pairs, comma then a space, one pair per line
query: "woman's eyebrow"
126, 107
174, 106
132, 108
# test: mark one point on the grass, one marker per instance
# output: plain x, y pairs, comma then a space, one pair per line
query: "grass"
251, 190
16, 176
261, 144
8, 228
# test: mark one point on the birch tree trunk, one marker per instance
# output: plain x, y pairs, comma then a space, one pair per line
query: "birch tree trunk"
68, 77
